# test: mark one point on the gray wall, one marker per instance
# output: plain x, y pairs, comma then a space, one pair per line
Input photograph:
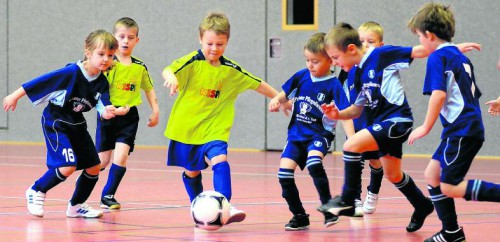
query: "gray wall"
39, 36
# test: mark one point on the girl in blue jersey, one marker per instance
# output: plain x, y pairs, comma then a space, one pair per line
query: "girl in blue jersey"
454, 97
70, 91
310, 133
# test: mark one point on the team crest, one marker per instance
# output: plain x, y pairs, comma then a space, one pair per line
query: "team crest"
321, 97
305, 107
377, 127
318, 143
97, 96
371, 74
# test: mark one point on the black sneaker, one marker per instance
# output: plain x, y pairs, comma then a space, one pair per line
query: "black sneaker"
447, 236
330, 219
337, 207
109, 202
298, 222
419, 215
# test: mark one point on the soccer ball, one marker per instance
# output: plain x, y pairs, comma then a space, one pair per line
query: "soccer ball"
210, 210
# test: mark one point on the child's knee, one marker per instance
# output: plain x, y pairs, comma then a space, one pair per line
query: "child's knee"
67, 170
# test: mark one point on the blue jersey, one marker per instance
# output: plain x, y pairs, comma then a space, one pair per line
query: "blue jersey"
352, 92
450, 71
69, 93
380, 86
308, 93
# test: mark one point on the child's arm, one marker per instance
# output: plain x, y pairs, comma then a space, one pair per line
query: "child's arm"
170, 81
420, 52
332, 112
275, 103
348, 126
266, 90
153, 103
10, 101
436, 102
494, 108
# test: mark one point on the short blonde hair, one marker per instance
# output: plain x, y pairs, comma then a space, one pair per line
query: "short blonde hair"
216, 22
341, 36
98, 38
373, 27
128, 23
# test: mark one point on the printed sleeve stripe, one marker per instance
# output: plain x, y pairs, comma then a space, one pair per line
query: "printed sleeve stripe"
198, 57
229, 63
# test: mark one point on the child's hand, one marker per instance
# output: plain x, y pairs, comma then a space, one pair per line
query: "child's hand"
417, 133
287, 107
109, 112
9, 102
330, 110
274, 105
494, 108
122, 110
173, 84
466, 47
153, 120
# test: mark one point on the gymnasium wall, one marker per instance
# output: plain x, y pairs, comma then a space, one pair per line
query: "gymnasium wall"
40, 36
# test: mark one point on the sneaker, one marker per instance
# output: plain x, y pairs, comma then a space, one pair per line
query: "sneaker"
235, 215
109, 202
419, 215
298, 222
35, 202
370, 204
447, 236
82, 210
358, 208
330, 219
337, 207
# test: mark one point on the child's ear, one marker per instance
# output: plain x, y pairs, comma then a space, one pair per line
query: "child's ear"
351, 48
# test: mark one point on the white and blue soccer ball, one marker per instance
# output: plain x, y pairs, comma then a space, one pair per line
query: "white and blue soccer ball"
210, 210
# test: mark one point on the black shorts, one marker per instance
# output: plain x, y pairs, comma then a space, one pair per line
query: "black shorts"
390, 136
121, 129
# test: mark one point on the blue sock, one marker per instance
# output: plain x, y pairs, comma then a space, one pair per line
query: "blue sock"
376, 176
222, 179
478, 190
193, 186
49, 180
318, 174
84, 186
411, 191
289, 191
445, 208
352, 177
116, 174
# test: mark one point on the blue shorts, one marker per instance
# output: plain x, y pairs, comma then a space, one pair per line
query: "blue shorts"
298, 150
455, 156
192, 157
121, 129
69, 145
390, 136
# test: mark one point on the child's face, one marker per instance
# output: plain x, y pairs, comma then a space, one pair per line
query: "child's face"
426, 41
370, 39
213, 45
318, 64
344, 60
127, 39
100, 58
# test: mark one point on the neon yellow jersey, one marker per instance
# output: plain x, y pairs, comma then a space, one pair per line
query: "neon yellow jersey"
204, 108
126, 82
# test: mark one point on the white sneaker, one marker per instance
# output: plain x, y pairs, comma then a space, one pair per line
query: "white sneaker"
370, 203
235, 215
82, 211
35, 202
358, 208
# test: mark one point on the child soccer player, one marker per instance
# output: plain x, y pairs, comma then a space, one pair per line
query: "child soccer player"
388, 117
202, 115
454, 97
70, 91
310, 134
126, 79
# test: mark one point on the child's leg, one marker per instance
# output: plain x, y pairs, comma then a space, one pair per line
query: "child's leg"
117, 170
315, 167
222, 177
289, 189
105, 158
85, 184
376, 175
479, 190
192, 183
50, 179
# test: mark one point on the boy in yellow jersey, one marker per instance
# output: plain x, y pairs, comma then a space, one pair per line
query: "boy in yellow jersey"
208, 84
126, 79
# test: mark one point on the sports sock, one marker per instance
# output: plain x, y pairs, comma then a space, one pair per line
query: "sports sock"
193, 185
289, 191
478, 190
318, 174
49, 180
376, 176
115, 176
411, 191
445, 208
84, 186
352, 176
222, 179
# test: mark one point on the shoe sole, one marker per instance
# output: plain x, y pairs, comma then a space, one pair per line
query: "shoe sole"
27, 206
297, 229
83, 216
236, 218
331, 223
112, 207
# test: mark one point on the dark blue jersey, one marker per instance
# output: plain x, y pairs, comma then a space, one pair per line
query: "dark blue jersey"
451, 71
352, 92
308, 94
380, 86
68, 92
